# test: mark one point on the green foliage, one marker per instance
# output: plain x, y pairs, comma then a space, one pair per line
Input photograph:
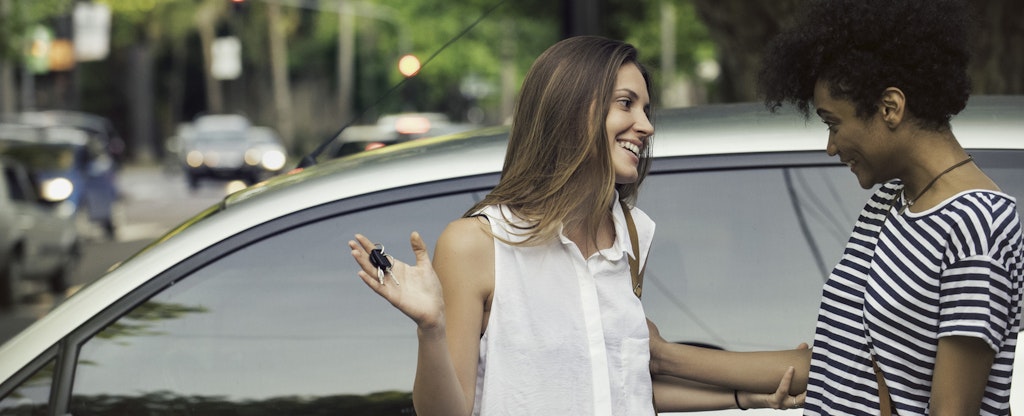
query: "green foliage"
693, 43
17, 16
504, 43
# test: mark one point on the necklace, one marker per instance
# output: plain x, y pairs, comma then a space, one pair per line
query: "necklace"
910, 201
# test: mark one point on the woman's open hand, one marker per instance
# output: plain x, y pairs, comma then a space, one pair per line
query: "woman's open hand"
414, 290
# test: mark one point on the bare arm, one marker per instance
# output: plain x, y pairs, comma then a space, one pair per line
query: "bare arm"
464, 260
447, 307
962, 366
673, 394
758, 372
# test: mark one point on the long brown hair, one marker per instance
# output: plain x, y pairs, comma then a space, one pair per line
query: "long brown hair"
558, 167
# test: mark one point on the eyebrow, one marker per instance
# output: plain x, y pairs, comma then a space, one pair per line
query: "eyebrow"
628, 91
822, 112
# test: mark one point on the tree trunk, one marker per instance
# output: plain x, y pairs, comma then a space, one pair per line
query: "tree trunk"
140, 97
346, 59
8, 99
740, 30
206, 18
997, 66
279, 69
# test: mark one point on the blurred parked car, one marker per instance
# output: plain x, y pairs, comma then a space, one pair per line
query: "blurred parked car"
99, 128
68, 159
253, 306
38, 239
227, 146
392, 129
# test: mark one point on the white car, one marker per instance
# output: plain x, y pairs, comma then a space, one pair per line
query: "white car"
38, 239
253, 306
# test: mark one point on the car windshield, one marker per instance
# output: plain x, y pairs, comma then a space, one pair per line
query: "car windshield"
221, 136
41, 157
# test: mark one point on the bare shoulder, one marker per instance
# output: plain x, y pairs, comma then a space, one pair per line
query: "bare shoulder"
470, 235
465, 251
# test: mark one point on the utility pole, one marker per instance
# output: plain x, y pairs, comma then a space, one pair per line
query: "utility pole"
206, 18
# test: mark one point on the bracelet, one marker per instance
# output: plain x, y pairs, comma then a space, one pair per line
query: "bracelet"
736, 397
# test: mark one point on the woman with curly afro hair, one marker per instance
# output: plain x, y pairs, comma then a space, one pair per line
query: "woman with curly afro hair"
922, 312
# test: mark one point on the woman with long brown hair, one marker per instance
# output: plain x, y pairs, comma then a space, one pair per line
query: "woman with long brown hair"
533, 308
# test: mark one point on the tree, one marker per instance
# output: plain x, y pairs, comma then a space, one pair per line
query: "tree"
16, 17
741, 29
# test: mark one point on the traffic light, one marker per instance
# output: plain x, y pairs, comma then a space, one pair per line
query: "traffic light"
408, 65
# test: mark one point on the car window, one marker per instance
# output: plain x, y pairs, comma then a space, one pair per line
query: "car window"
31, 397
739, 256
17, 187
42, 156
280, 326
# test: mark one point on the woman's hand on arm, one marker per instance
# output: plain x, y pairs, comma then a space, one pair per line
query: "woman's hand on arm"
677, 395
962, 366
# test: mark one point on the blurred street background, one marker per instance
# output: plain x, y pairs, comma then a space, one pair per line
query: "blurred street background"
153, 201
162, 105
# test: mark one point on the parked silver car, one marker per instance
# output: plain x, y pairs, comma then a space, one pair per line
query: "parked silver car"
253, 306
38, 240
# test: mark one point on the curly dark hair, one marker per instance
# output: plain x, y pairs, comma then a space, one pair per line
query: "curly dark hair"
861, 47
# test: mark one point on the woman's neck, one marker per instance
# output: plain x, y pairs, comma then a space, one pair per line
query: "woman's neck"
590, 242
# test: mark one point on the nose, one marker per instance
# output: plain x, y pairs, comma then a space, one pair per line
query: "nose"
830, 147
643, 124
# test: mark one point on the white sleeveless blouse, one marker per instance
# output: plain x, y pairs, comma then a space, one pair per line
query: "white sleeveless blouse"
566, 335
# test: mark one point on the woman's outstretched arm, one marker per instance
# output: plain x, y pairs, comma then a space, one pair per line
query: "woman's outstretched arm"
678, 395
757, 372
442, 306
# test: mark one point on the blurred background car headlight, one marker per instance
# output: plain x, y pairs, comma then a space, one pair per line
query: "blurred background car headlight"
194, 158
269, 159
56, 189
273, 160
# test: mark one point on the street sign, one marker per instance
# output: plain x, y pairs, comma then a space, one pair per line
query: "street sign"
227, 58
92, 31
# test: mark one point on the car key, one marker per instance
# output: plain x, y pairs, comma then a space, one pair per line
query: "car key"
379, 259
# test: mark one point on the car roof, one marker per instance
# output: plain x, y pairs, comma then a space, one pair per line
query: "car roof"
989, 122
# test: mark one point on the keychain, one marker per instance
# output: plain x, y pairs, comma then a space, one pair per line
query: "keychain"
379, 259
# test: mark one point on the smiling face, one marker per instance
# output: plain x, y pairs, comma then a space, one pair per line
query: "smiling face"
627, 124
860, 144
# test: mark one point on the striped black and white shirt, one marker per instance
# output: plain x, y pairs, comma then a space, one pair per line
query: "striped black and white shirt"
905, 281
